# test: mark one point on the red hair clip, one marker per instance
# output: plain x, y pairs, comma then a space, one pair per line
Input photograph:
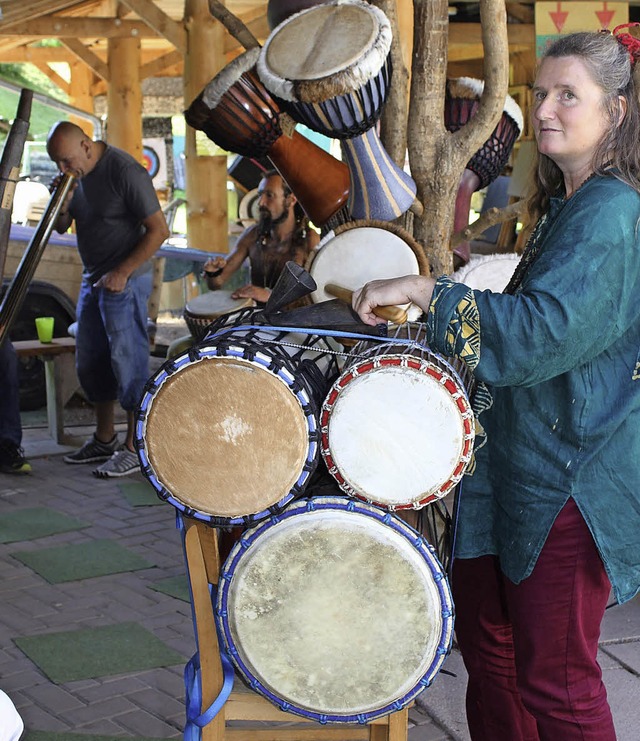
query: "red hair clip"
631, 43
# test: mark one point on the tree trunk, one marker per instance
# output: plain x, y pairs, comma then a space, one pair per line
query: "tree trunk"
437, 157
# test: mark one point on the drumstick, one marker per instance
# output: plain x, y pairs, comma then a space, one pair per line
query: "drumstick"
391, 313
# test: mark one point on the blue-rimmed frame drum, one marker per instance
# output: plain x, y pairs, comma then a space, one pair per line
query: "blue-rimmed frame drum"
335, 610
227, 432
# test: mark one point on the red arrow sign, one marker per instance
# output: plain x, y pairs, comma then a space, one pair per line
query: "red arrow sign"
559, 18
605, 16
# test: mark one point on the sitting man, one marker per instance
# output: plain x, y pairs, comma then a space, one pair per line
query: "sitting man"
281, 234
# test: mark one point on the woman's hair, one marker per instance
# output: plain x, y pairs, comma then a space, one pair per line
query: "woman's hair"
609, 64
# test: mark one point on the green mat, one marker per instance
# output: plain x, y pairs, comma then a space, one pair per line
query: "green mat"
37, 522
82, 561
68, 736
175, 586
97, 652
139, 493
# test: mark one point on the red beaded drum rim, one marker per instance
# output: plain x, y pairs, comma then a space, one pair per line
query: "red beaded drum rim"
420, 365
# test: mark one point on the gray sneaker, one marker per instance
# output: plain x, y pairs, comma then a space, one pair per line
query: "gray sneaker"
93, 451
122, 463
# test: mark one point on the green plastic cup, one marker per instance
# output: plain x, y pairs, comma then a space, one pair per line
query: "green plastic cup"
44, 328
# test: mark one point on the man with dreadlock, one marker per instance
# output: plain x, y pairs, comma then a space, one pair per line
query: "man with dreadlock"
281, 234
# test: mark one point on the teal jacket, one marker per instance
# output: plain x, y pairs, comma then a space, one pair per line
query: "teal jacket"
561, 360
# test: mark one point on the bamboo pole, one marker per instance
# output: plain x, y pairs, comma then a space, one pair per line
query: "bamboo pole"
14, 297
10, 169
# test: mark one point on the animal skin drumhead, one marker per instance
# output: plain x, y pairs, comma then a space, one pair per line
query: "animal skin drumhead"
321, 42
226, 437
395, 435
333, 611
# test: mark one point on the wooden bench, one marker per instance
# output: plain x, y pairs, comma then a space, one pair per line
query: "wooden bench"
58, 357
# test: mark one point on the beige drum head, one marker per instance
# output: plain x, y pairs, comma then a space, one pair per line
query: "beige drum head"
226, 437
317, 44
334, 611
356, 255
343, 43
213, 304
397, 432
488, 272
249, 209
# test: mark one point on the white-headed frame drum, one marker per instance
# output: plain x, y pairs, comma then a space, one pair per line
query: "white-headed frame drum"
335, 610
397, 425
361, 251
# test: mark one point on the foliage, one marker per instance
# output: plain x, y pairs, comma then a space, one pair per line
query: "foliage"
42, 116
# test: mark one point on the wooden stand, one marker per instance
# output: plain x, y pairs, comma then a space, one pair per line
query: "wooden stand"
58, 357
261, 720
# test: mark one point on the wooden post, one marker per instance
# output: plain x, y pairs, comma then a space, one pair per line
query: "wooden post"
80, 94
206, 175
124, 97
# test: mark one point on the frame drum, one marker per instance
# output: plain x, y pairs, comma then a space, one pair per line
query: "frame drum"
397, 425
335, 610
227, 432
361, 251
492, 272
200, 311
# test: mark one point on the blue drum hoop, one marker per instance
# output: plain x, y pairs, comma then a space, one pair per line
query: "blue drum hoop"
343, 504
244, 350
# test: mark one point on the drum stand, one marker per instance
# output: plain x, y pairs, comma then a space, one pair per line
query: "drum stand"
256, 718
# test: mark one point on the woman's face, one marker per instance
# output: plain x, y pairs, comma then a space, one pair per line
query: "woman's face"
568, 116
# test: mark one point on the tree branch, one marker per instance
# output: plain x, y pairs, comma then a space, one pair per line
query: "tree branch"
489, 218
233, 24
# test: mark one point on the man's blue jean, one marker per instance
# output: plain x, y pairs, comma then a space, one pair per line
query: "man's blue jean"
112, 342
10, 424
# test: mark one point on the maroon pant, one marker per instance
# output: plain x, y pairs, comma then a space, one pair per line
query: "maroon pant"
530, 648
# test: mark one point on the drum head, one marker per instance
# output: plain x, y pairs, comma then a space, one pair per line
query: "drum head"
397, 432
226, 438
337, 610
325, 51
489, 272
215, 303
355, 256
321, 41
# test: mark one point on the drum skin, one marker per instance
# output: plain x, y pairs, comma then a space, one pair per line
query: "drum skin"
227, 432
488, 272
335, 610
200, 311
362, 251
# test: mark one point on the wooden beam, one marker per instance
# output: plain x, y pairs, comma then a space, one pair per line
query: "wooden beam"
85, 55
19, 12
55, 26
55, 78
36, 54
520, 34
155, 67
160, 22
521, 12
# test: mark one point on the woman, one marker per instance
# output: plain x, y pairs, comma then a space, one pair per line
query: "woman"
549, 520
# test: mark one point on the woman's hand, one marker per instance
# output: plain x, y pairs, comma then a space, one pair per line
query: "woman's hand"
416, 289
